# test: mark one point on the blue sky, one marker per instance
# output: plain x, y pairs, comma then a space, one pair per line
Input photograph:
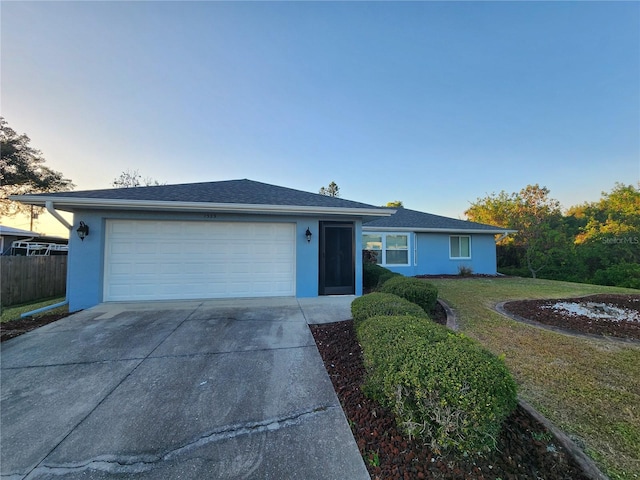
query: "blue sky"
435, 104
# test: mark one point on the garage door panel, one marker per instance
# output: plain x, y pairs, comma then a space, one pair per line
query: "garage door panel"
146, 260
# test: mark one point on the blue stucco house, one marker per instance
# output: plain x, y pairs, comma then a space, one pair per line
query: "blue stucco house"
416, 243
237, 238
242, 238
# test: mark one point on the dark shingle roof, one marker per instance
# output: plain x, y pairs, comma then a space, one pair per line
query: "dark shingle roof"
247, 192
420, 221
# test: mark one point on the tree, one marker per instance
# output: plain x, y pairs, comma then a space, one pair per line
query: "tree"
607, 232
22, 171
331, 191
494, 209
596, 242
130, 179
395, 204
615, 214
535, 216
537, 219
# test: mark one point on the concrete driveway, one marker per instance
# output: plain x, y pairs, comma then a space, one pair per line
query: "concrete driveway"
209, 389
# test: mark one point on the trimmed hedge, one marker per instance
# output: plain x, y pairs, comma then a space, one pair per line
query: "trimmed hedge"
373, 275
443, 387
383, 304
413, 289
386, 276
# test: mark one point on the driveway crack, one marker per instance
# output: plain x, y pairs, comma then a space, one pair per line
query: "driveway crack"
132, 464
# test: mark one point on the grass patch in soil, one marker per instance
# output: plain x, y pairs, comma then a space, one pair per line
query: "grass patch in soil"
13, 312
12, 325
525, 448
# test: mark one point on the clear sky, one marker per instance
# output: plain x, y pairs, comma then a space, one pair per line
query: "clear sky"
435, 104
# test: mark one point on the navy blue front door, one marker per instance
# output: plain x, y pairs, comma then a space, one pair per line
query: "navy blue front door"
337, 259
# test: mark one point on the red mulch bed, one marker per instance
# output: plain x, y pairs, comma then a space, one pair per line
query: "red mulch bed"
541, 311
526, 450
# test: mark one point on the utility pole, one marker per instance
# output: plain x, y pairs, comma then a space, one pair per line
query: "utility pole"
32, 217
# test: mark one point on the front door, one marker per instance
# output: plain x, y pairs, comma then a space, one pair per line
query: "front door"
337, 259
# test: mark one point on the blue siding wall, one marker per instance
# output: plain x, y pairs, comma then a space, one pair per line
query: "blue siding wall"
86, 258
433, 256
85, 267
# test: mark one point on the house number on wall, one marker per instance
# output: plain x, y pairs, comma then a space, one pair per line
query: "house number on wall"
209, 215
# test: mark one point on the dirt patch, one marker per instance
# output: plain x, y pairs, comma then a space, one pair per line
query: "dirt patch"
439, 315
526, 449
610, 315
13, 328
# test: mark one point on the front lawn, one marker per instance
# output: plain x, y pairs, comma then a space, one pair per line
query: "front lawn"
588, 388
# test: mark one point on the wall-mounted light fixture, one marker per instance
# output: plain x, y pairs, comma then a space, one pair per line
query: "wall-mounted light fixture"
308, 235
83, 230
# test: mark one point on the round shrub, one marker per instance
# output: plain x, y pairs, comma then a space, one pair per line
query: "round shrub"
378, 303
413, 289
371, 273
385, 333
386, 276
443, 387
380, 336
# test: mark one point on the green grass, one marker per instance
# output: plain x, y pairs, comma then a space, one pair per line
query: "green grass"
13, 312
589, 388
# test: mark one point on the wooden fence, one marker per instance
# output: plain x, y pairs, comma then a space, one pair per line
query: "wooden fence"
24, 279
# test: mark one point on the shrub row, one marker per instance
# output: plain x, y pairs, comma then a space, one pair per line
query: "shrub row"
373, 275
415, 290
379, 303
443, 387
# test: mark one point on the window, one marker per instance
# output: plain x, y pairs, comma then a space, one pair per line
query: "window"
373, 243
459, 247
397, 251
390, 249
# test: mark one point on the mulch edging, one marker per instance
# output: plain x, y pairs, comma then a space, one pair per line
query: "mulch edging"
588, 466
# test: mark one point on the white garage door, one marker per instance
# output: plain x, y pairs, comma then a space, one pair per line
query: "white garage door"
167, 260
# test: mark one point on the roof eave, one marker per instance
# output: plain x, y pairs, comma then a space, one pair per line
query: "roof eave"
73, 203
495, 231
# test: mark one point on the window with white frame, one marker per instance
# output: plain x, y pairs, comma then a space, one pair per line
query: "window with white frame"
373, 243
390, 248
459, 246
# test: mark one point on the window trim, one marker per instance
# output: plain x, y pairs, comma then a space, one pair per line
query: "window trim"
383, 237
459, 237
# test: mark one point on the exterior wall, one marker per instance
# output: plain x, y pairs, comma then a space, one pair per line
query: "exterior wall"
431, 255
86, 268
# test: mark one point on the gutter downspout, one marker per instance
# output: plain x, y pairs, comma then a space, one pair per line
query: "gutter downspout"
60, 218
49, 205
